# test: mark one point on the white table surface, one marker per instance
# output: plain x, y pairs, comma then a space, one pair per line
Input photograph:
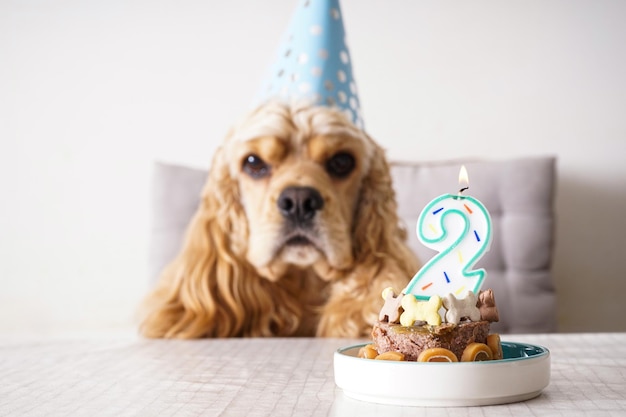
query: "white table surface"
130, 376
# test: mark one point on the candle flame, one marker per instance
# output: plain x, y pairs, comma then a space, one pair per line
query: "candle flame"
463, 179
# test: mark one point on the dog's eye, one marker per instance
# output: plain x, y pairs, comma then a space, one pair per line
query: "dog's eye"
255, 166
340, 165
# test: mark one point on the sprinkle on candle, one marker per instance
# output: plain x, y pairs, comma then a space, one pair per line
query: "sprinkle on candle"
432, 228
477, 237
438, 210
460, 290
446, 275
469, 210
463, 179
460, 256
426, 286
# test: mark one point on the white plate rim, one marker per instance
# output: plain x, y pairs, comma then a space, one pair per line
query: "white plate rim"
544, 351
536, 365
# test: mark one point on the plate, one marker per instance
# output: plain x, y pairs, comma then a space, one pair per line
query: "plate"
521, 375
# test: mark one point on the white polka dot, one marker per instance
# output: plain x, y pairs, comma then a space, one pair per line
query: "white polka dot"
303, 58
323, 53
304, 87
284, 91
341, 75
353, 103
328, 85
316, 30
334, 13
343, 55
353, 87
330, 101
342, 96
316, 71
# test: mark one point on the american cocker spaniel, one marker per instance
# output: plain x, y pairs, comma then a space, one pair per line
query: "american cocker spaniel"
296, 234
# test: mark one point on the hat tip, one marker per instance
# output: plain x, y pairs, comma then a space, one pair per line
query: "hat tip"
313, 61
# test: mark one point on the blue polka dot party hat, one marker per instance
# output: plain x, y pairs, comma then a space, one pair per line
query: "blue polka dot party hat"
313, 62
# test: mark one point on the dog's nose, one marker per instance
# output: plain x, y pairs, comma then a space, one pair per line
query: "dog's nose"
299, 204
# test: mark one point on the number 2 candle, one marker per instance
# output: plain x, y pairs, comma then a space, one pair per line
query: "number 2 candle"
459, 228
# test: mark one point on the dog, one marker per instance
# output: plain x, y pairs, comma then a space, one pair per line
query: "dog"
296, 234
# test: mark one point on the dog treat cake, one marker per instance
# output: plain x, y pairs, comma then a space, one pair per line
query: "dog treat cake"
442, 315
413, 330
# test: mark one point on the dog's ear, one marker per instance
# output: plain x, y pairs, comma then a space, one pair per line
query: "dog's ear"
382, 258
378, 234
210, 290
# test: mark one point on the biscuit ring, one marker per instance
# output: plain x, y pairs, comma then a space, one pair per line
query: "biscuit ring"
493, 341
476, 352
437, 354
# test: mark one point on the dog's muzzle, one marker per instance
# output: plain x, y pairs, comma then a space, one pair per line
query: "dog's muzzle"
298, 205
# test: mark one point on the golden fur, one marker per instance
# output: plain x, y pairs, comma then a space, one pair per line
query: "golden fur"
238, 275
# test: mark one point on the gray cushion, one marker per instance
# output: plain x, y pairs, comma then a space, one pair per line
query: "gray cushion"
518, 193
175, 197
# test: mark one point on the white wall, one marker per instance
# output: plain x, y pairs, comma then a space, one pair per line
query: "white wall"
92, 92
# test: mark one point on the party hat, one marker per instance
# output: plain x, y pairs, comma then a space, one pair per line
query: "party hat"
313, 62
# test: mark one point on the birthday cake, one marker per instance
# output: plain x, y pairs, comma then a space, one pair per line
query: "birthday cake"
413, 330
442, 315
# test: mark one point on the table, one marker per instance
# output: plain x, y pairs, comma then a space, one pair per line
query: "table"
131, 376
